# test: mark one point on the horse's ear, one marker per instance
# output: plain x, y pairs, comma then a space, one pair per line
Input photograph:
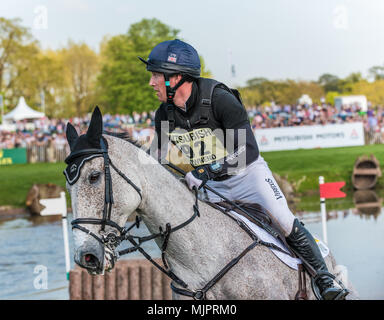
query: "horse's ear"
95, 129
71, 134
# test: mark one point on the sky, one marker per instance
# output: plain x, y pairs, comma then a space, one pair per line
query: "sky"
274, 39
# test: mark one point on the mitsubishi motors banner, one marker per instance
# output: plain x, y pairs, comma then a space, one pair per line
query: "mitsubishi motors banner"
310, 137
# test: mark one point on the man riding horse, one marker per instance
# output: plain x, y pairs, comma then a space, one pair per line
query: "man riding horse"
198, 114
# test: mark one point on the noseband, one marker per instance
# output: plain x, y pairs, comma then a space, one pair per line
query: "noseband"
111, 239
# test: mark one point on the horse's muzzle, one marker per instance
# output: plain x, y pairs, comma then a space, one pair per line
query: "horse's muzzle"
90, 258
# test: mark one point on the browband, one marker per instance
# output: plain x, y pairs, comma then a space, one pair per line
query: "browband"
76, 154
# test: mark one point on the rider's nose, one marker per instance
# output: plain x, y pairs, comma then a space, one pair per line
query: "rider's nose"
152, 81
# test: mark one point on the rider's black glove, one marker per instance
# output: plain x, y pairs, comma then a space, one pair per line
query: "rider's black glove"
199, 176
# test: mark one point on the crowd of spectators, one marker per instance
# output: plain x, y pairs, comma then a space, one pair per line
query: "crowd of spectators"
306, 115
51, 132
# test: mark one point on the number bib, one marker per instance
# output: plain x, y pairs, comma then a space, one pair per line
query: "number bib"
201, 146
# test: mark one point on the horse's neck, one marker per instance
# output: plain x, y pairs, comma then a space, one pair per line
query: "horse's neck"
197, 251
204, 244
166, 199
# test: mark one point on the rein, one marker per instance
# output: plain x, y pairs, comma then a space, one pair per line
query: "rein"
111, 240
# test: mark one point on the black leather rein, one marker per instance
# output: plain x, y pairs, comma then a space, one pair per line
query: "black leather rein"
112, 240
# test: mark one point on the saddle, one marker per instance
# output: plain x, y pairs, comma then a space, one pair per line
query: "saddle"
260, 216
256, 214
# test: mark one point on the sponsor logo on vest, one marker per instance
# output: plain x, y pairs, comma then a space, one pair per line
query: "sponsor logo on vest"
275, 189
200, 146
233, 156
190, 136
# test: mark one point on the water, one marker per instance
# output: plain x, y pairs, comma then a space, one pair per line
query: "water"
30, 245
32, 248
357, 243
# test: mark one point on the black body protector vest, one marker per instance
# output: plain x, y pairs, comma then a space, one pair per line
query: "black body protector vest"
197, 133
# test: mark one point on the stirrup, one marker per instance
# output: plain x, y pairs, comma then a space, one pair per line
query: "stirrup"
315, 288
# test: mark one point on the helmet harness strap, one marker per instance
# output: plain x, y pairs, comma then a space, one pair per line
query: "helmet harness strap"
170, 95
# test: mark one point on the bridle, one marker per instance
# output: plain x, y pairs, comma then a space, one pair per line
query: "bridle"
110, 239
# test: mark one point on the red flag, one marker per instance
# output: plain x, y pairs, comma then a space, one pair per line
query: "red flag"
332, 190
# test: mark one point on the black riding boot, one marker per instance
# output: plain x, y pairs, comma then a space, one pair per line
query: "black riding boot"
305, 245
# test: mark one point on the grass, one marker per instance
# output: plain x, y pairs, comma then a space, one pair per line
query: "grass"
301, 167
17, 179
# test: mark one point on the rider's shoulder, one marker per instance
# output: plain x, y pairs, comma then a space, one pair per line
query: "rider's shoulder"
161, 112
218, 88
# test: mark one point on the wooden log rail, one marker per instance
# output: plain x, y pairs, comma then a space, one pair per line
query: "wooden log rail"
130, 280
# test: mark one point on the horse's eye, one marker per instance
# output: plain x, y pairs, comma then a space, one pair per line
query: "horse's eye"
94, 177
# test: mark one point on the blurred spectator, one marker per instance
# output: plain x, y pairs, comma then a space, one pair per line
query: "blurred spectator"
140, 126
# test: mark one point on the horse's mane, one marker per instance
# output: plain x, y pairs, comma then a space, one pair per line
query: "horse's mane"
124, 136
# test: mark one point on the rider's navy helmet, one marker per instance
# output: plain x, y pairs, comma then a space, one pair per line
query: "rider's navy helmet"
172, 57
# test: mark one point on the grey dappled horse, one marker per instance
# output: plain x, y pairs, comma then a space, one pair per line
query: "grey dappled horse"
196, 252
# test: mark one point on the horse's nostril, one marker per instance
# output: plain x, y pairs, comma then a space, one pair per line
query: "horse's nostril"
91, 261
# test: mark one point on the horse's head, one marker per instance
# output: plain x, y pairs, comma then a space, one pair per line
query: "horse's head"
99, 212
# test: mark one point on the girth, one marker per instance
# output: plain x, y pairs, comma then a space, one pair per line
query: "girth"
112, 240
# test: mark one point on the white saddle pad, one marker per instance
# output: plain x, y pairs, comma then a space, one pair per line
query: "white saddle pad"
265, 236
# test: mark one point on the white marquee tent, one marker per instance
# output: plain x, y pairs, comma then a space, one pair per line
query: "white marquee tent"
22, 111
305, 99
360, 101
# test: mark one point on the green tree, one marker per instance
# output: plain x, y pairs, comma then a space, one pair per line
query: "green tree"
374, 91
205, 73
329, 82
330, 97
377, 72
123, 80
346, 84
261, 91
81, 67
18, 49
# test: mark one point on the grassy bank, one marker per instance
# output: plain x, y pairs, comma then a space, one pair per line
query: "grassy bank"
16, 180
301, 167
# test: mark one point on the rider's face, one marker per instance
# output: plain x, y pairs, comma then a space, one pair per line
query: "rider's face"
157, 82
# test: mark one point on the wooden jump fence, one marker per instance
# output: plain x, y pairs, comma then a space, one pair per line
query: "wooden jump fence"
135, 279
